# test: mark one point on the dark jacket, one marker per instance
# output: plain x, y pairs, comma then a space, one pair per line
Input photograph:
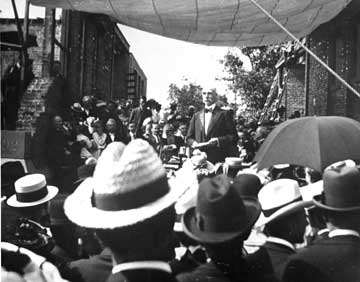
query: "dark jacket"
119, 137
214, 273
95, 269
221, 126
269, 261
138, 116
335, 259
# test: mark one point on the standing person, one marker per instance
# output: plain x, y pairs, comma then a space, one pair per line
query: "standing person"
115, 131
131, 135
99, 137
214, 126
183, 128
130, 204
284, 222
221, 221
336, 258
138, 115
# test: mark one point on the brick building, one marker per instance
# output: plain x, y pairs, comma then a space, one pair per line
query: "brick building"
311, 89
94, 57
137, 81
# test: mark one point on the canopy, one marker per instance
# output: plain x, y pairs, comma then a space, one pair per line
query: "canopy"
213, 22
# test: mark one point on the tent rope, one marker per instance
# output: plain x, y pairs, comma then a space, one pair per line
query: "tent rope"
312, 54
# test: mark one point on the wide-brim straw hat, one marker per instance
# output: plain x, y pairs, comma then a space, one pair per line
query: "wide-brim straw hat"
32, 190
278, 199
129, 186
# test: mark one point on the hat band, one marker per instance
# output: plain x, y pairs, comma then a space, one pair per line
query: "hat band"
132, 199
269, 212
216, 224
32, 196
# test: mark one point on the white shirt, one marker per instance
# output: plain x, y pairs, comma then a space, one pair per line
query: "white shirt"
112, 136
155, 265
280, 241
208, 116
343, 232
132, 135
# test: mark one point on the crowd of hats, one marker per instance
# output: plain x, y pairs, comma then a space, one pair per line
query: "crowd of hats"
129, 186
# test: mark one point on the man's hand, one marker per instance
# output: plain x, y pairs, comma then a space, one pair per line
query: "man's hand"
213, 142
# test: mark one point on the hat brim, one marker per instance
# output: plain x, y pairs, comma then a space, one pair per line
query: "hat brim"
79, 209
317, 202
191, 229
282, 212
52, 192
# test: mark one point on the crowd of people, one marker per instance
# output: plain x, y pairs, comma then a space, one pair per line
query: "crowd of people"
119, 219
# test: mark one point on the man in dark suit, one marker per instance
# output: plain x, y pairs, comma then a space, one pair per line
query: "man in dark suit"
285, 221
221, 221
116, 132
336, 258
138, 115
214, 126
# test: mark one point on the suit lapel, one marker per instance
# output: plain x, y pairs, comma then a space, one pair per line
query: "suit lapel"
214, 117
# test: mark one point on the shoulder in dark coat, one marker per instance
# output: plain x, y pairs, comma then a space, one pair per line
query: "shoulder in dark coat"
334, 259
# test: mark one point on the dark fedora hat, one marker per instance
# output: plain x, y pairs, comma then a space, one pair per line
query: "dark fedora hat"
247, 184
221, 213
341, 189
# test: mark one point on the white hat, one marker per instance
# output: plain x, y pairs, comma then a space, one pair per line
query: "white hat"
278, 199
31, 190
129, 185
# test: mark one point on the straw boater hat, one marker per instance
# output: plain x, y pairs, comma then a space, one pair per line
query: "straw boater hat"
341, 194
221, 214
129, 186
31, 190
278, 199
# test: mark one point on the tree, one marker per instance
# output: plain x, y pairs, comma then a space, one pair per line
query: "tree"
252, 86
188, 94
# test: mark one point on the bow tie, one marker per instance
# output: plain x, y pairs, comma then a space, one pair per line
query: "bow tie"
208, 110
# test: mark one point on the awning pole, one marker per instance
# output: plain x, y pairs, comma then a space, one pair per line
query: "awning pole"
312, 54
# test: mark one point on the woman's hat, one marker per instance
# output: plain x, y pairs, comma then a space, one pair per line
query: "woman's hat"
280, 198
32, 190
129, 186
221, 214
341, 189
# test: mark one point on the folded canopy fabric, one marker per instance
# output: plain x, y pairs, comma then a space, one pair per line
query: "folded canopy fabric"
213, 22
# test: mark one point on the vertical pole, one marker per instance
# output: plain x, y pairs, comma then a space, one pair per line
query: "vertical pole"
307, 77
24, 48
52, 39
112, 71
82, 55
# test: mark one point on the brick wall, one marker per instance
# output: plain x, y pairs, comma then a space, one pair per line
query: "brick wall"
295, 96
337, 44
101, 66
33, 104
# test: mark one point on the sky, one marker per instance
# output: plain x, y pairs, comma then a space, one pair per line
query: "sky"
163, 60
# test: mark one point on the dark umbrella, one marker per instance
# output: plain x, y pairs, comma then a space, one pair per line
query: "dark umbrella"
314, 142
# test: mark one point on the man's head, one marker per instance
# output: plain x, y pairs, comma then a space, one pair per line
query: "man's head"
111, 106
183, 129
155, 129
142, 102
130, 189
283, 210
340, 200
131, 127
57, 122
111, 125
209, 98
86, 102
